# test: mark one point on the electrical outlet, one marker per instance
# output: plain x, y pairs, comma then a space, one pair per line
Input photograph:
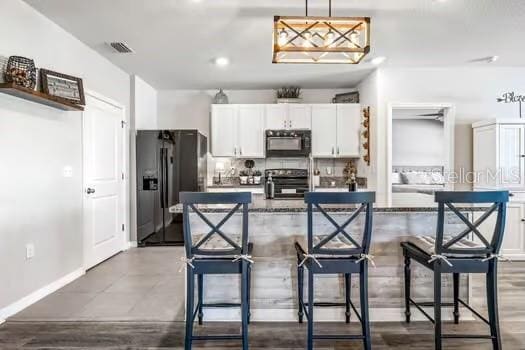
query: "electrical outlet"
67, 171
30, 251
328, 171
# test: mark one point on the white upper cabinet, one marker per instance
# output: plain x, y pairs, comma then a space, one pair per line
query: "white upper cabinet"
276, 117
348, 130
335, 130
251, 131
224, 130
324, 130
499, 155
299, 116
288, 116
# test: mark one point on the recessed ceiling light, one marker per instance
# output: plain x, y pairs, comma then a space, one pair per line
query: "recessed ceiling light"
222, 61
378, 60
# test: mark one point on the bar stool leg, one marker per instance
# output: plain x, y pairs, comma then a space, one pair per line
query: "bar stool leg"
244, 304
492, 303
437, 306
200, 288
363, 281
310, 343
249, 292
300, 292
455, 277
348, 286
407, 288
190, 290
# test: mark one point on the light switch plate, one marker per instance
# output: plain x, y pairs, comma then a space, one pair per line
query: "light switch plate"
30, 251
67, 171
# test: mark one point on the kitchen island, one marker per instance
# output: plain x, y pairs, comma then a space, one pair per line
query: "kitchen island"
275, 225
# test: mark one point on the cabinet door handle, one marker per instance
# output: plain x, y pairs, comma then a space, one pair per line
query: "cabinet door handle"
522, 220
337, 150
240, 151
333, 151
90, 191
235, 150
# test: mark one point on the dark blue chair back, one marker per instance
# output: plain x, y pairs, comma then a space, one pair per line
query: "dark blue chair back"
498, 203
190, 201
318, 199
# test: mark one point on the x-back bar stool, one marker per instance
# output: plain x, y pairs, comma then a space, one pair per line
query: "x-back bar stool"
457, 254
216, 253
336, 253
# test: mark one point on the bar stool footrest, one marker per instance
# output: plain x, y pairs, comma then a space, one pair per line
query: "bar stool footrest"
216, 337
338, 336
467, 336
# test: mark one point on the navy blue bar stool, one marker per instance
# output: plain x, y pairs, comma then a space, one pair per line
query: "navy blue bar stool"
216, 253
336, 253
458, 254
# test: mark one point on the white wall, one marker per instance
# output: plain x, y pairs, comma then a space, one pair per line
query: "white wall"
37, 204
190, 109
143, 104
417, 142
473, 91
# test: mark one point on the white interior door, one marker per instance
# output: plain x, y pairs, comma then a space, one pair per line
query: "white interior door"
103, 178
348, 130
324, 130
251, 131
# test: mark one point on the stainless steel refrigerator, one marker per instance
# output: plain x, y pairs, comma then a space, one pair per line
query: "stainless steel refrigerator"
168, 162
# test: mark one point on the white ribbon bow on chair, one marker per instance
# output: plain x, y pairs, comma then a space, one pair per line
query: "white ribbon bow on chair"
440, 257
496, 256
244, 257
368, 257
310, 256
186, 262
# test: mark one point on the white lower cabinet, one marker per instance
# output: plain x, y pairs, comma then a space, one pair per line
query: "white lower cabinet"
513, 246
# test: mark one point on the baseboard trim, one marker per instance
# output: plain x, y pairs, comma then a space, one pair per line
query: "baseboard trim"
39, 294
132, 244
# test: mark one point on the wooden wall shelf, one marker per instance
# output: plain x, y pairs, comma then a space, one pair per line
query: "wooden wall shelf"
39, 97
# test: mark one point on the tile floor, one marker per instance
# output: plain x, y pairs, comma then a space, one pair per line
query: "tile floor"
139, 284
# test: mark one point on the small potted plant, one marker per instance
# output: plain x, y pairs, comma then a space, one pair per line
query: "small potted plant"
291, 94
257, 177
243, 176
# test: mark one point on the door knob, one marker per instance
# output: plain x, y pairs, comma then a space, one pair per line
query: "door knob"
90, 190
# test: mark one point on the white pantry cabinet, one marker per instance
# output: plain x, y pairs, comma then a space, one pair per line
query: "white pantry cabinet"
288, 116
498, 164
237, 131
336, 130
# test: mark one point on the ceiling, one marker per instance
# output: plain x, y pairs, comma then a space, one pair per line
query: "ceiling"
175, 41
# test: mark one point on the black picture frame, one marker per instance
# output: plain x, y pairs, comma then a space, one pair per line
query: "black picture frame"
347, 97
64, 86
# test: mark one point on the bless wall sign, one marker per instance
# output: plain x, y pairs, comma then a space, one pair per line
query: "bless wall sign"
512, 97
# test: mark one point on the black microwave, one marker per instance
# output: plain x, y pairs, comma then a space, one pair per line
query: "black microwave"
288, 143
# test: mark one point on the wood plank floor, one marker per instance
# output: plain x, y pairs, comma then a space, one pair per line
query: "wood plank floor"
170, 335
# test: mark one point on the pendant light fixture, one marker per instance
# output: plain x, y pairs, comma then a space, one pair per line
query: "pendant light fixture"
312, 39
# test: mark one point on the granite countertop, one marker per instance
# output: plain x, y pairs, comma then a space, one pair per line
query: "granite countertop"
261, 205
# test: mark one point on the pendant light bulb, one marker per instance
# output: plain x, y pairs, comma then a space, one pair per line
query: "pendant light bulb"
329, 38
283, 37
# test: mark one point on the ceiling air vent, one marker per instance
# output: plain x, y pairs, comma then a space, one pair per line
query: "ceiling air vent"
121, 47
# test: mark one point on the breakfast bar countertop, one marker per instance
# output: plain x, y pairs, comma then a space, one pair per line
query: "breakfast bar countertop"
262, 205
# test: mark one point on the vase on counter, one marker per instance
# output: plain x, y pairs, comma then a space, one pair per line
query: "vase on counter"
220, 98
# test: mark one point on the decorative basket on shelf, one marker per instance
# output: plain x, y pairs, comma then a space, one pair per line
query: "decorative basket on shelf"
21, 71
